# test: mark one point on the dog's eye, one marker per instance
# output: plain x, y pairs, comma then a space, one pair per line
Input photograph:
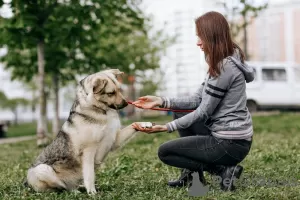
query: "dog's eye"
111, 94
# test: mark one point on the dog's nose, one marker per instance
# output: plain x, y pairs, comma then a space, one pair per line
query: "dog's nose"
122, 105
125, 103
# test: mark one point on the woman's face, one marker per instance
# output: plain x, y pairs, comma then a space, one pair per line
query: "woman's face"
200, 43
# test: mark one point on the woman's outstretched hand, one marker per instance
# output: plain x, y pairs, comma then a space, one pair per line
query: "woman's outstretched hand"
154, 129
147, 102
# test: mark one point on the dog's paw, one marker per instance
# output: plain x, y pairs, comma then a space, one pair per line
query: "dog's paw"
146, 124
91, 191
142, 126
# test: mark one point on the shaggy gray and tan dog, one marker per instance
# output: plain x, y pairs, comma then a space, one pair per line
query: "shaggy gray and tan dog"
90, 133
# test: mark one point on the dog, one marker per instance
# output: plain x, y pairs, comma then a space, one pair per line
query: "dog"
89, 134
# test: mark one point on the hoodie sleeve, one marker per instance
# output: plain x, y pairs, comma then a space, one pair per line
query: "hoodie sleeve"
214, 92
189, 102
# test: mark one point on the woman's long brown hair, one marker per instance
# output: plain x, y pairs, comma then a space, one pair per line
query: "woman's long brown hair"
213, 30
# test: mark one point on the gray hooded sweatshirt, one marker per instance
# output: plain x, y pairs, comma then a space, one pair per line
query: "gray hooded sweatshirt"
220, 102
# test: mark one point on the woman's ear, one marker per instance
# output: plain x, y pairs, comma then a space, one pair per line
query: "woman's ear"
99, 85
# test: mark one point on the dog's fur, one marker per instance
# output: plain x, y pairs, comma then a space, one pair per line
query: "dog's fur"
90, 133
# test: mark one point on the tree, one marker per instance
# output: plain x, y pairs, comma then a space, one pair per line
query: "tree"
60, 37
13, 104
33, 89
3, 98
240, 17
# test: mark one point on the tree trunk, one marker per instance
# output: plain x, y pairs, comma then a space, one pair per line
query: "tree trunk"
33, 113
55, 123
42, 119
33, 106
245, 37
15, 112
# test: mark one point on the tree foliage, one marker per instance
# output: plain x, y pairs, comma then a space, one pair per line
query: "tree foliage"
61, 39
80, 37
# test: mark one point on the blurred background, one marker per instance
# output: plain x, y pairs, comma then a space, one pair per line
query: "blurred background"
47, 46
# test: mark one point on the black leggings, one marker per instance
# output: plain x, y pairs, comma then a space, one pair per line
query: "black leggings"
197, 149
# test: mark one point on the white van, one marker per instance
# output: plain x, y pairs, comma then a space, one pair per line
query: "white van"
276, 86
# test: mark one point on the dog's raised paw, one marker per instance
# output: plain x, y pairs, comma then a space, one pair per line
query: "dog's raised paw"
146, 124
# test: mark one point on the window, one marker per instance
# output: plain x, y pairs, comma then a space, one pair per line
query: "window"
274, 75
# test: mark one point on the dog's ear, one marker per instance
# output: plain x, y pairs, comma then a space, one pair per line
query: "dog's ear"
115, 72
99, 85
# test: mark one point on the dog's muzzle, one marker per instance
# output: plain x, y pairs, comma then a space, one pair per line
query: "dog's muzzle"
119, 106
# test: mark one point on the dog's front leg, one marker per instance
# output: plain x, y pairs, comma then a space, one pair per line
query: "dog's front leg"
124, 136
88, 169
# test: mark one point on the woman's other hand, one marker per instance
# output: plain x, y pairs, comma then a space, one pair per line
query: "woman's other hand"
139, 126
147, 102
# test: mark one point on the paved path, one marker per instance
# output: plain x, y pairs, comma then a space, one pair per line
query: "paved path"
16, 139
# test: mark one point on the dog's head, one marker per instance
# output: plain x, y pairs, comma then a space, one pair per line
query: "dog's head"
103, 89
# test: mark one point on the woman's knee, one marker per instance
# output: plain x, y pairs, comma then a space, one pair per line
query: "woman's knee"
164, 151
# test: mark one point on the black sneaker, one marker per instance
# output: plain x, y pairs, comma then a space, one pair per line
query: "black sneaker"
184, 180
230, 174
201, 177
215, 170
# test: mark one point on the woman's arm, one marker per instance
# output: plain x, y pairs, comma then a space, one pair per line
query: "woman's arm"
189, 102
213, 94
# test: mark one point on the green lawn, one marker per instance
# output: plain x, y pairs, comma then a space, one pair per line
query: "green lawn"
135, 172
23, 129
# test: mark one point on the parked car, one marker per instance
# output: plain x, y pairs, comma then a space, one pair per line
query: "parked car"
276, 86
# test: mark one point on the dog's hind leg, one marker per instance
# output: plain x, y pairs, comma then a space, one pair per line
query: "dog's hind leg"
43, 178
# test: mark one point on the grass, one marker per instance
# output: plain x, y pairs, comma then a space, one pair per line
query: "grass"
23, 129
135, 172
26, 129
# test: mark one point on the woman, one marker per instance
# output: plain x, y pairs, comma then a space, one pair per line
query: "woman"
218, 134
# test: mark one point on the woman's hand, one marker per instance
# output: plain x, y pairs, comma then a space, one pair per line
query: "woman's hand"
154, 129
148, 102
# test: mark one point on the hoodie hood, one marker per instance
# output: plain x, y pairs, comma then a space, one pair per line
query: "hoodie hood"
247, 70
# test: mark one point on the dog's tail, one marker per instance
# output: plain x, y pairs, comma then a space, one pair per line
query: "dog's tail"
43, 178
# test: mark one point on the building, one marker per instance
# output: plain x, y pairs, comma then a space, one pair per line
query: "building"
275, 34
